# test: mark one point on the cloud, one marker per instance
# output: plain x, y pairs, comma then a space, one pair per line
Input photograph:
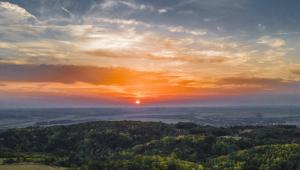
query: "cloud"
181, 29
109, 4
130, 22
296, 71
136, 46
71, 74
271, 42
137, 23
252, 81
163, 10
13, 14
163, 56
67, 12
287, 33
50, 44
210, 19
261, 27
122, 8
4, 45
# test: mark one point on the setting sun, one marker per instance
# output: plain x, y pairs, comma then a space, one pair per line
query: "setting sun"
137, 102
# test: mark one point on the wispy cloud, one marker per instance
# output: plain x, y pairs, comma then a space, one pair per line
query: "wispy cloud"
108, 4
181, 29
261, 27
269, 82
163, 10
296, 71
272, 42
13, 14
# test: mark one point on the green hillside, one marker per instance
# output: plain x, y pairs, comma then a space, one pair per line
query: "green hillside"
131, 145
269, 157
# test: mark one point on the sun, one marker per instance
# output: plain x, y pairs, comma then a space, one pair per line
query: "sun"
137, 102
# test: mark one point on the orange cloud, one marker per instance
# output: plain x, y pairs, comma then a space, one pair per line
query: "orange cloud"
122, 83
296, 71
252, 81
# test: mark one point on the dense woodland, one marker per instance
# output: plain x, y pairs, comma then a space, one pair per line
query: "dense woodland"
131, 145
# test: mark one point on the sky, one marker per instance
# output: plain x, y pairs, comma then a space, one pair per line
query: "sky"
160, 52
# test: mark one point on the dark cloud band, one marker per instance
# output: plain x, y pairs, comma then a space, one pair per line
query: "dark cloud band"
71, 74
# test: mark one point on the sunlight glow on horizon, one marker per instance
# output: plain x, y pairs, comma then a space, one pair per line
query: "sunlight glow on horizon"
116, 52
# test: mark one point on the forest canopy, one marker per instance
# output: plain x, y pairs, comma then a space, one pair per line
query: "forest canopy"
134, 145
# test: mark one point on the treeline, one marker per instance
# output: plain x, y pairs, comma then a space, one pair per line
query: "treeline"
137, 145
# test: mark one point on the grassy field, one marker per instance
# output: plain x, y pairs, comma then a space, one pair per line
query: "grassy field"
29, 167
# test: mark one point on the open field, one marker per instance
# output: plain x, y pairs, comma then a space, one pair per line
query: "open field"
29, 167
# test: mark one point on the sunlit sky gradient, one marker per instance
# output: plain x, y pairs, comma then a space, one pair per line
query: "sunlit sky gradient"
114, 52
